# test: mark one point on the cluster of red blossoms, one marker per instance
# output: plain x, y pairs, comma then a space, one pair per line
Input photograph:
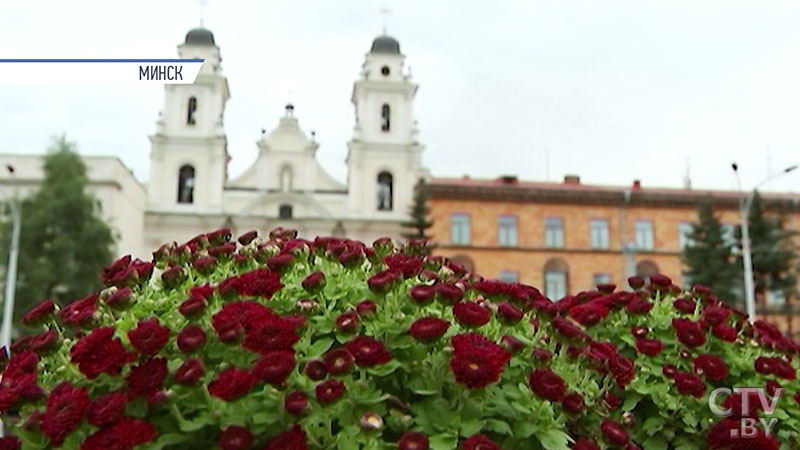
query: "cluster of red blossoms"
284, 343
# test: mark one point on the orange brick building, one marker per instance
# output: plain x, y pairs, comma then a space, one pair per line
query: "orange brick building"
568, 237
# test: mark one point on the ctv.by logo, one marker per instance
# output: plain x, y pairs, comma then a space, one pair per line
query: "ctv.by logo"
747, 428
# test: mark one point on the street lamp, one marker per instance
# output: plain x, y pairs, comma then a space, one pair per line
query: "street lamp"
8, 310
747, 257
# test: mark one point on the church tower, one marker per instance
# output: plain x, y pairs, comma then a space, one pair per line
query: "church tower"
384, 158
189, 155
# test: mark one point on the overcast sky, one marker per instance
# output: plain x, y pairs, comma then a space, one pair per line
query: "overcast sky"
610, 90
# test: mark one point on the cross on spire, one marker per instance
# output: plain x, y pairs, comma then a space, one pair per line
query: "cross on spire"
202, 4
385, 11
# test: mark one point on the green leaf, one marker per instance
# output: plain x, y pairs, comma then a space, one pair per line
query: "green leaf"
166, 440
655, 443
320, 347
266, 417
555, 440
631, 401
499, 426
471, 426
653, 425
385, 369
443, 442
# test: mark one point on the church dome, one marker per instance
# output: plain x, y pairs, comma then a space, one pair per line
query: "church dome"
199, 36
385, 44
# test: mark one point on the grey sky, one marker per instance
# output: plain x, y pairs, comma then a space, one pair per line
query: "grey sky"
613, 90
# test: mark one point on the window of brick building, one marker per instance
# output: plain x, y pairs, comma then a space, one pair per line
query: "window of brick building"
598, 229
509, 276
553, 232
643, 234
684, 231
600, 278
556, 279
460, 229
507, 230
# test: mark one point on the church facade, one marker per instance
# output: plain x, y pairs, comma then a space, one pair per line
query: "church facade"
190, 192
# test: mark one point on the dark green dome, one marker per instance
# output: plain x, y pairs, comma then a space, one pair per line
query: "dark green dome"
385, 44
199, 36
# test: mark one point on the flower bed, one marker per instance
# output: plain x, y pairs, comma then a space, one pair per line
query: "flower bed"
283, 343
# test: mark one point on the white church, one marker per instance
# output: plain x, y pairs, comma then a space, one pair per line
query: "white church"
190, 190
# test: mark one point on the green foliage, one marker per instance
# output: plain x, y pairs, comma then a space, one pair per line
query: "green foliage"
419, 223
709, 258
64, 242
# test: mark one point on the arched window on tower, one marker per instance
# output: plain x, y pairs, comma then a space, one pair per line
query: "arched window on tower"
556, 279
286, 179
385, 191
186, 183
386, 114
192, 108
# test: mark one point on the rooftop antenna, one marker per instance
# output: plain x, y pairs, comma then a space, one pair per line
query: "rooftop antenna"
385, 11
202, 4
687, 178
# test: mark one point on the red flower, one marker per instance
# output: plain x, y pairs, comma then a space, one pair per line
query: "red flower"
712, 366
100, 352
479, 442
275, 366
408, 265
329, 391
124, 434
725, 435
259, 283
147, 377
79, 312
541, 355
39, 312
271, 333
382, 281
572, 403
614, 433
547, 384
471, 314
477, 361
366, 308
639, 305
315, 369
44, 342
296, 403
231, 384
413, 440
725, 332
237, 317
191, 338
689, 333
105, 409
236, 438
567, 329
509, 313
660, 280
448, 293
713, 315
689, 384
649, 347
280, 262
294, 439
173, 277
429, 329
422, 294
190, 372
10, 443
149, 337
314, 282
511, 344
368, 351
636, 282
347, 322
611, 401
585, 444
204, 265
589, 314
622, 369
192, 307
338, 361
120, 298
765, 365
684, 305
66, 408
248, 237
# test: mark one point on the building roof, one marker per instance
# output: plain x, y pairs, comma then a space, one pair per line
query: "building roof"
508, 188
385, 44
199, 36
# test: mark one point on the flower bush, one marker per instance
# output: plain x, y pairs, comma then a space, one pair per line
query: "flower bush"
284, 343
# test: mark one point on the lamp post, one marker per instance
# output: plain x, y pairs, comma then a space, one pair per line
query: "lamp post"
747, 256
11, 275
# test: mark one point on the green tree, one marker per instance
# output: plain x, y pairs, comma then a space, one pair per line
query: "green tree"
773, 252
419, 222
64, 242
709, 256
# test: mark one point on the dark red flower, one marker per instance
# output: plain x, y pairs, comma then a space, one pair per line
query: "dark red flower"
120, 298
347, 322
669, 370
366, 308
725, 332
614, 433
589, 314
315, 369
689, 333
105, 409
79, 312
10, 443
44, 342
247, 237
296, 403
689, 384
638, 305
448, 293
477, 361
408, 265
149, 337
294, 439
338, 361
66, 408
190, 372
237, 317
173, 277
622, 369
601, 352
100, 352
274, 367
660, 280
541, 355
231, 384
314, 282
649, 347
684, 305
567, 329
382, 281
191, 338
479, 442
124, 434
329, 391
611, 401
711, 366
509, 313
147, 377
413, 440
713, 315
368, 351
236, 438
511, 344
547, 384
585, 444
422, 294
259, 283
204, 265
280, 262
772, 387
636, 282
192, 307
429, 329
39, 313
726, 435
639, 331
471, 314
271, 333
572, 403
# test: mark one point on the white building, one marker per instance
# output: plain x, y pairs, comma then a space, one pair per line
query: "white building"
190, 192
